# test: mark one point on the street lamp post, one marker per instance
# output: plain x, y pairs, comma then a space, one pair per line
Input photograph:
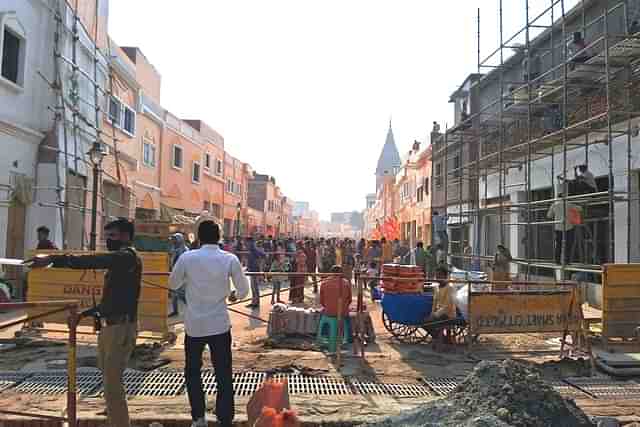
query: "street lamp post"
238, 209
95, 155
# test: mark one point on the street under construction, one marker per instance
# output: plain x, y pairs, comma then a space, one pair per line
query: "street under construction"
522, 309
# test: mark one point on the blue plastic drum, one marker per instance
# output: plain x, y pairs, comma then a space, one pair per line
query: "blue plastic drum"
408, 309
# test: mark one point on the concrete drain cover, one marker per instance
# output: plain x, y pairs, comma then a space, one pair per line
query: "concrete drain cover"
152, 384
606, 388
244, 384
387, 389
209, 382
441, 386
407, 390
55, 383
568, 391
164, 383
319, 386
11, 379
368, 388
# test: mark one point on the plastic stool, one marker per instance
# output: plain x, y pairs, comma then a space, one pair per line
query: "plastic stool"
329, 338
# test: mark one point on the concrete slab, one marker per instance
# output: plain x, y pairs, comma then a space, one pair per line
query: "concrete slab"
618, 359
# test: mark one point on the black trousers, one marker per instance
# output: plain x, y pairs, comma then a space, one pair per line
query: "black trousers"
568, 246
220, 349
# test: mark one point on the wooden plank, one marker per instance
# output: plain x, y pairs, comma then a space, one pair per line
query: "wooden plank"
513, 312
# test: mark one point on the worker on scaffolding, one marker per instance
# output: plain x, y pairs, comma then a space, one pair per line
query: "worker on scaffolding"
566, 216
584, 182
577, 49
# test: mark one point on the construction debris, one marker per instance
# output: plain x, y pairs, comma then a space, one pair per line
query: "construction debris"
496, 394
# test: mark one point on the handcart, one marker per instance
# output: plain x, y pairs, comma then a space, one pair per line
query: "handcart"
406, 316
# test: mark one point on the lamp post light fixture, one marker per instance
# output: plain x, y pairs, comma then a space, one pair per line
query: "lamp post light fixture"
96, 155
238, 209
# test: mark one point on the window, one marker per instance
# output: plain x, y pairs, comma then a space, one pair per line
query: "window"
427, 187
218, 167
11, 47
195, 172
177, 156
149, 154
404, 192
206, 206
420, 194
438, 174
129, 122
456, 166
207, 161
114, 111
215, 210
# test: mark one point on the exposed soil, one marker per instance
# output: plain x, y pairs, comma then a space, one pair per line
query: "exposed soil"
501, 394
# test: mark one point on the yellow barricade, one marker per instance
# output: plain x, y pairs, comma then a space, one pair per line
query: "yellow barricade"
65, 284
523, 312
620, 301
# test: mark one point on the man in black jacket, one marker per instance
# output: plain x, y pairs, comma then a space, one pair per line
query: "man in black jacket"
117, 310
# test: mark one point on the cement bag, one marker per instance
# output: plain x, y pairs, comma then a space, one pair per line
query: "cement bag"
312, 321
461, 300
277, 321
295, 321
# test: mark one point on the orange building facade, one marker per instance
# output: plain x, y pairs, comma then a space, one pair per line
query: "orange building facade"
401, 206
156, 165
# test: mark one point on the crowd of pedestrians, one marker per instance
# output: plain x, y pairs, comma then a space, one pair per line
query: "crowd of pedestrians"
261, 253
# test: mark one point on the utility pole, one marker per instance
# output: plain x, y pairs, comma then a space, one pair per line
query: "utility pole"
96, 155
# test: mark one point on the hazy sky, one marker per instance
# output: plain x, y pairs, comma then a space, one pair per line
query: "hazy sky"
303, 90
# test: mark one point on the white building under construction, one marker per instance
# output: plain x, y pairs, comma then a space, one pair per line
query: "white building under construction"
560, 93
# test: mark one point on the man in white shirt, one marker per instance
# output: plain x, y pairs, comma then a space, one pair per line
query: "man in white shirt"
205, 275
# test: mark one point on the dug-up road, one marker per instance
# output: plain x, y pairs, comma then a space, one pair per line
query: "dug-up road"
386, 361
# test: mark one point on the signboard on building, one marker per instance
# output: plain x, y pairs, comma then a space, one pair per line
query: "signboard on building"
523, 312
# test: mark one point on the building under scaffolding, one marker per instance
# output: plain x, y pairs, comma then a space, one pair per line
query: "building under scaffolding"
560, 92
58, 95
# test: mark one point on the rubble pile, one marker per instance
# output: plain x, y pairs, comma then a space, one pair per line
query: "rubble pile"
496, 394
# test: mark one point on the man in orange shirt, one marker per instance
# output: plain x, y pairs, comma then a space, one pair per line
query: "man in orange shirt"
387, 251
333, 288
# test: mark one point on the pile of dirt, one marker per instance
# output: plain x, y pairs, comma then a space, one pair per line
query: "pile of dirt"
496, 394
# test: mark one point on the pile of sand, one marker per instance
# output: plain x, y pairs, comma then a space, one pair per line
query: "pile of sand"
496, 394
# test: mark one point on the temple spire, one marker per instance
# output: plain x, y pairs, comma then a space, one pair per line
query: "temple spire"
389, 161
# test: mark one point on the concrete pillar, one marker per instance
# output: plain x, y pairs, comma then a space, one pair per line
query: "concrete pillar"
516, 234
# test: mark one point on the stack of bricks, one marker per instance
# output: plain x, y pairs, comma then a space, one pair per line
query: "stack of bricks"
402, 279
